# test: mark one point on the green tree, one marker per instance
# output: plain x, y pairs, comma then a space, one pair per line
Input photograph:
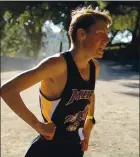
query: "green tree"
29, 21
126, 15
32, 15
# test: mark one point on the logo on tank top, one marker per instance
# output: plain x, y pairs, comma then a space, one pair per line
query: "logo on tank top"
75, 120
78, 95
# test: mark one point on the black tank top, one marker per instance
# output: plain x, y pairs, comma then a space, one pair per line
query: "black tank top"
69, 112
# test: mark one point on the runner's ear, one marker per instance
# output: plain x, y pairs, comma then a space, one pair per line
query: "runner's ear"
81, 34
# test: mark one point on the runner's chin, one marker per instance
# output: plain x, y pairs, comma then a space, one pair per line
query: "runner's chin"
99, 54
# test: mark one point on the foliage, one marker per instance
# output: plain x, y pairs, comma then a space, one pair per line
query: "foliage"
21, 22
31, 21
24, 32
124, 22
15, 43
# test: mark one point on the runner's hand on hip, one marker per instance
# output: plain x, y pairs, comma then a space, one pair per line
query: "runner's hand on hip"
46, 129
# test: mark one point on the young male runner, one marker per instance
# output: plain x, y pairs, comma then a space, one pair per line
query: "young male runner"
67, 96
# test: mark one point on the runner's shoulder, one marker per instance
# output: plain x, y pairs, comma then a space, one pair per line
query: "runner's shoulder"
54, 62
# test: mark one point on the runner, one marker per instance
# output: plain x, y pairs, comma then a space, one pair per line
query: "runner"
67, 98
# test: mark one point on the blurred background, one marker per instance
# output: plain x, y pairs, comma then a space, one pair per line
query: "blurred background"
37, 29
33, 30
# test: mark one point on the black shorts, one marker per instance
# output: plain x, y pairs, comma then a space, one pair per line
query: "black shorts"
41, 147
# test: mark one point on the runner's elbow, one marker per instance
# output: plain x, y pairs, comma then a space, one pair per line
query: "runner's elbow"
5, 91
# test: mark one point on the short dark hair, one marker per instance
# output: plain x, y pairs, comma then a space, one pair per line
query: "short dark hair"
84, 18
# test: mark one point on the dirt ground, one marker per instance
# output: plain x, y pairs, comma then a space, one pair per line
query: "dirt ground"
116, 133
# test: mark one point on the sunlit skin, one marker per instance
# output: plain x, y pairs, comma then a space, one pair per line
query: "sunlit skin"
52, 73
96, 39
92, 42
89, 45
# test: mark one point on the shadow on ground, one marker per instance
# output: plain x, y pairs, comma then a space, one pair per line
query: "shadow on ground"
112, 71
129, 93
108, 70
132, 85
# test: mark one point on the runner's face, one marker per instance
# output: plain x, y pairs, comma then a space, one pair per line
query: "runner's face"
96, 39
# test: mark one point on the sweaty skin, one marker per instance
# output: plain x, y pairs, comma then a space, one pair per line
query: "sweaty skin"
52, 73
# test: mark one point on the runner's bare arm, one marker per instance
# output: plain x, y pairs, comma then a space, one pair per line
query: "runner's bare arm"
91, 110
92, 104
10, 91
88, 123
